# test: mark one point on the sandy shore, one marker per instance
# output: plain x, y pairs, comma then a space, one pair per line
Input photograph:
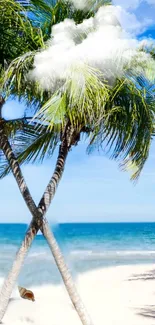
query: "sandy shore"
123, 295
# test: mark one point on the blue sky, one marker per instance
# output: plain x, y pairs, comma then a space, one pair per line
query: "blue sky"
92, 188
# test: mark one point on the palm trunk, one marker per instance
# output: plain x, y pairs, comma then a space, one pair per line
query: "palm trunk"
66, 276
54, 247
9, 282
37, 213
55, 179
37, 223
8, 152
34, 226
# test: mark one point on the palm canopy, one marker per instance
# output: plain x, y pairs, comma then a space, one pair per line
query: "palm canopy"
34, 24
119, 119
120, 116
22, 32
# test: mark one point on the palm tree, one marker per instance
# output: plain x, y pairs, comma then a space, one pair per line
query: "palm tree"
123, 115
37, 222
124, 128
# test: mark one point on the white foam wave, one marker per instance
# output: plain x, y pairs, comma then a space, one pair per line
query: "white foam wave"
89, 253
121, 252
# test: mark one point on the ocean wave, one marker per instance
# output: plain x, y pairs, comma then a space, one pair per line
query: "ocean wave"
46, 255
87, 253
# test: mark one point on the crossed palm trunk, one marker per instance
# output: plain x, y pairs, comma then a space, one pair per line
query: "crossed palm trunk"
39, 222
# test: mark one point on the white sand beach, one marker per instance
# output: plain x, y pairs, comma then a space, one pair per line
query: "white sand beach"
114, 296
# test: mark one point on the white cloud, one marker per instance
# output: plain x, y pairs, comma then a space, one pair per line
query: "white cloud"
131, 23
99, 42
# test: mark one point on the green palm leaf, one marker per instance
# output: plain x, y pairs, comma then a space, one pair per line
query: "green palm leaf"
29, 142
129, 126
18, 35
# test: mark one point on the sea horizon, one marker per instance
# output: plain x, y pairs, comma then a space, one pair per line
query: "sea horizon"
79, 222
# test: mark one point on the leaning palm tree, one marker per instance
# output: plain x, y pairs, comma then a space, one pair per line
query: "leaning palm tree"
38, 222
122, 115
115, 114
37, 213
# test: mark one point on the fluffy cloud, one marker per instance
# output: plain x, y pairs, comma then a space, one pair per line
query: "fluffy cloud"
99, 42
131, 23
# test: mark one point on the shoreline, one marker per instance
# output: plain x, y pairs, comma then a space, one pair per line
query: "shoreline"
113, 296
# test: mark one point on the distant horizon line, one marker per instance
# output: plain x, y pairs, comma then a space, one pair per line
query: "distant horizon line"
79, 222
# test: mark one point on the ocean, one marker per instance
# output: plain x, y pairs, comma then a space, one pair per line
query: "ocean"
85, 247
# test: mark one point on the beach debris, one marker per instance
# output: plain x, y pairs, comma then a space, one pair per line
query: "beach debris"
26, 294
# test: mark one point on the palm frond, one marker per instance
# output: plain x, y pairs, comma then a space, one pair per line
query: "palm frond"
4, 166
36, 144
16, 82
129, 125
76, 99
29, 143
18, 35
55, 12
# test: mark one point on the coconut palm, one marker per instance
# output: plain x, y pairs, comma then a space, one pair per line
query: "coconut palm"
38, 221
123, 115
37, 213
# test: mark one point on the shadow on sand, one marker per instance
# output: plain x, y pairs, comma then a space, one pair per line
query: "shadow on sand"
147, 312
12, 300
150, 275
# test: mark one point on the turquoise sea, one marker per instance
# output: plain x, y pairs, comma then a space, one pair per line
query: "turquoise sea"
85, 247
